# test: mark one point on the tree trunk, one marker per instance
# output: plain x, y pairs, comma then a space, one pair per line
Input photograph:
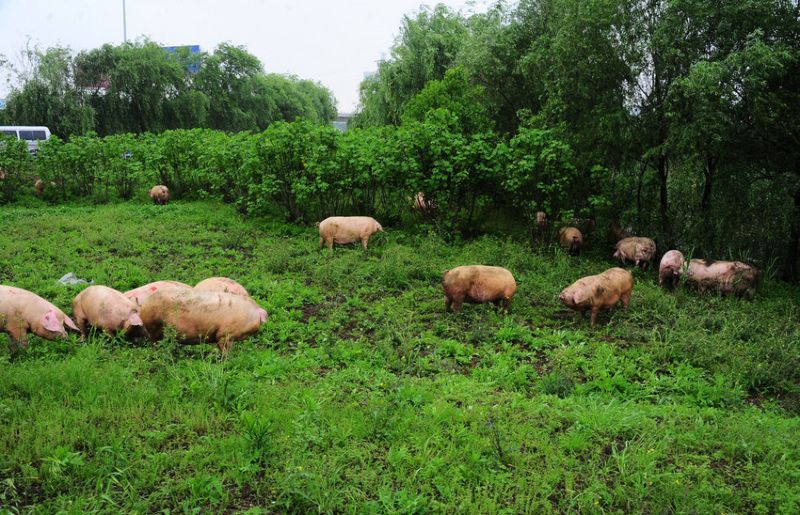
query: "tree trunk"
793, 252
708, 173
663, 172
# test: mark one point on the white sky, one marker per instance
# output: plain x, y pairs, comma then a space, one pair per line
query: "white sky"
332, 41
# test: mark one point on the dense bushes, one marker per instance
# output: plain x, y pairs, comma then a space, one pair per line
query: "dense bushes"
309, 171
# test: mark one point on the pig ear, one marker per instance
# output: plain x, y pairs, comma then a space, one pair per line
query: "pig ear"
69, 323
263, 316
135, 319
51, 323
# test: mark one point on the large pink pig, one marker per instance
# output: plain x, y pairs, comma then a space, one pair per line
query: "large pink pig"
106, 309
599, 291
476, 284
140, 294
347, 229
222, 284
202, 316
22, 311
726, 277
671, 268
637, 250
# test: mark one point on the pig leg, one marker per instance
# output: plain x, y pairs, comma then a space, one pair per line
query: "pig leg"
18, 335
625, 298
457, 304
225, 345
364, 242
321, 242
595, 311
447, 303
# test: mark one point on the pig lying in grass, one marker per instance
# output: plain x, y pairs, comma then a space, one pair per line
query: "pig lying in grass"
599, 291
160, 194
476, 284
725, 277
671, 268
571, 240
22, 311
347, 229
140, 294
221, 284
637, 250
202, 316
105, 309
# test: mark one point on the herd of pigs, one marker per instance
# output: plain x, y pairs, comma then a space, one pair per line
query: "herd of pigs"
220, 310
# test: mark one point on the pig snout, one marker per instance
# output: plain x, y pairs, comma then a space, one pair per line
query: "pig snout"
262, 315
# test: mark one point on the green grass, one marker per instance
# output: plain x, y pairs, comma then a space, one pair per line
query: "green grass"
362, 395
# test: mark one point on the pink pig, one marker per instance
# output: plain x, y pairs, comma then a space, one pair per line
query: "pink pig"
22, 311
347, 229
106, 309
140, 294
221, 284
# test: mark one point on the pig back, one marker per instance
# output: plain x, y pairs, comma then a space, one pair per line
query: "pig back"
202, 315
221, 284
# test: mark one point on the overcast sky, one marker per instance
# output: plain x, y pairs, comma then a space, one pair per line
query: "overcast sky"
331, 41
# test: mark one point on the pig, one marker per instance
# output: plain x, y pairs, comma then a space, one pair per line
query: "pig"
140, 294
599, 291
38, 187
477, 284
22, 311
222, 284
106, 309
2, 174
160, 194
347, 229
570, 239
671, 268
726, 277
202, 316
636, 249
421, 205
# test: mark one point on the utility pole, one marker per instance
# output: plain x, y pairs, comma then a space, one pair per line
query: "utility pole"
124, 24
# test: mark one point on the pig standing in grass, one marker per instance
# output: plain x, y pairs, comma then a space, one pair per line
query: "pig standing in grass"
221, 284
570, 239
202, 316
726, 277
106, 309
671, 268
637, 250
347, 229
38, 187
476, 284
160, 194
140, 294
22, 311
599, 291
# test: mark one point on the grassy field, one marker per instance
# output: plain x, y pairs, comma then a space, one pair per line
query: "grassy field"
362, 395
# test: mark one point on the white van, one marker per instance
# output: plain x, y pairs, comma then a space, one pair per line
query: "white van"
30, 134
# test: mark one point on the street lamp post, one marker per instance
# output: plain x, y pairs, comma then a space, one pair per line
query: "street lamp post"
124, 24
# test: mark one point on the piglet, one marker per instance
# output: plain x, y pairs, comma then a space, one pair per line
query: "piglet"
105, 309
22, 311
